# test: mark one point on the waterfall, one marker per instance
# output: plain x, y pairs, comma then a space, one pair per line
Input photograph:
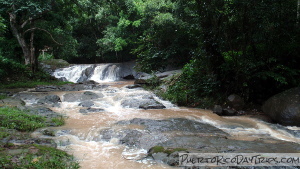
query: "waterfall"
106, 73
72, 74
96, 72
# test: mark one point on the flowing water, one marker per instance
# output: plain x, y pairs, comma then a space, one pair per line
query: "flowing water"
81, 136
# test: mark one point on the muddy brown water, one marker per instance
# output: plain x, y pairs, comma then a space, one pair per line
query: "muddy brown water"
80, 135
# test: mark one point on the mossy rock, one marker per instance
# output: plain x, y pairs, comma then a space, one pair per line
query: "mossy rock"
161, 149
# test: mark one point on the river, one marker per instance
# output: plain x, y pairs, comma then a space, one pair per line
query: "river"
83, 135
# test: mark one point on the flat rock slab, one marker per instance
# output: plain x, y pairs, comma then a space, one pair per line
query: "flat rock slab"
157, 131
223, 145
175, 124
188, 135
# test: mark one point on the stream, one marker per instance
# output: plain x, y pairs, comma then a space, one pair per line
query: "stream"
111, 125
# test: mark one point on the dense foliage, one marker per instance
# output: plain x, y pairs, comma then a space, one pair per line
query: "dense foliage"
225, 46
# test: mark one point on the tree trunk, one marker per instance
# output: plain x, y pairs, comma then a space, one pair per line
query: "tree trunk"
33, 59
20, 37
298, 12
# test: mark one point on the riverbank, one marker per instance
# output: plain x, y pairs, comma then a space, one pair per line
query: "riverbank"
129, 127
18, 149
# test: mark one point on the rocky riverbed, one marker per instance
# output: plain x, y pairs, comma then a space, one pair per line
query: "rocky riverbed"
128, 127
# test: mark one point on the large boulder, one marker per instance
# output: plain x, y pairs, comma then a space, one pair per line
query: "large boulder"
284, 108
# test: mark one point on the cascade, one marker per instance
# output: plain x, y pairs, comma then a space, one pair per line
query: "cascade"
115, 131
96, 72
115, 126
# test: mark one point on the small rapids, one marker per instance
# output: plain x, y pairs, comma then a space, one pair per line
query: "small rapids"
81, 135
92, 133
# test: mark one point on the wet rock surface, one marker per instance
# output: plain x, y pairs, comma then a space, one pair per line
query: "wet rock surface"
89, 85
77, 97
175, 134
176, 124
188, 135
133, 86
50, 99
142, 103
90, 110
158, 131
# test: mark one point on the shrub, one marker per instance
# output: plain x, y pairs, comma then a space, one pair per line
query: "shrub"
196, 86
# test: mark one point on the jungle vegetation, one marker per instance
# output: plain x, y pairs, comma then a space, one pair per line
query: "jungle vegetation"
251, 48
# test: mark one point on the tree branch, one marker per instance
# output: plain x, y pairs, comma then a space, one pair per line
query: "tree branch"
32, 29
25, 23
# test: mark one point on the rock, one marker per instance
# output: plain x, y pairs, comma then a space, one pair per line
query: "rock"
229, 112
45, 112
142, 103
132, 138
214, 144
284, 108
236, 102
155, 105
90, 95
218, 110
46, 88
63, 79
90, 110
176, 124
87, 104
160, 157
133, 86
164, 139
77, 97
145, 77
173, 159
107, 134
48, 132
49, 99
127, 70
86, 74
129, 77
156, 131
12, 102
89, 85
51, 65
168, 74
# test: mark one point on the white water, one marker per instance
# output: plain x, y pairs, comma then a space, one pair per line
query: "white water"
82, 137
96, 72
72, 73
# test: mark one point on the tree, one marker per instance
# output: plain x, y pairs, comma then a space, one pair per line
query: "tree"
23, 18
298, 12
